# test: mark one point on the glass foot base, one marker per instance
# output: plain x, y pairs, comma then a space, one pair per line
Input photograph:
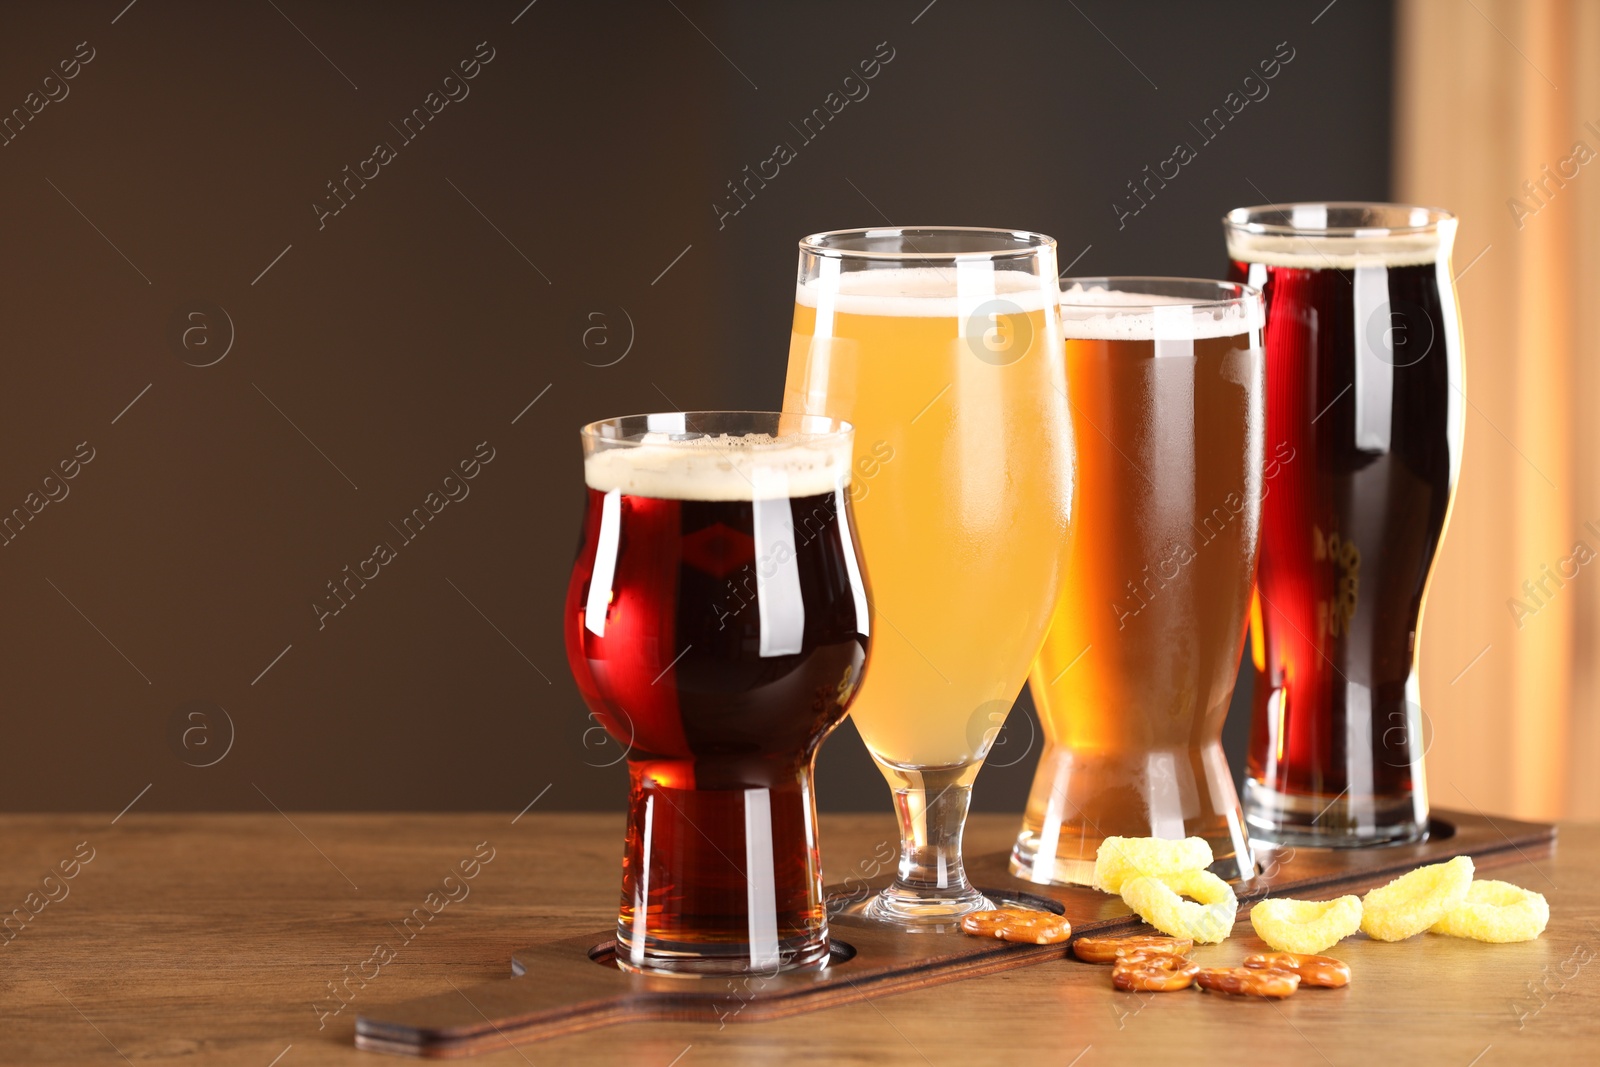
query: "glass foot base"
691, 960
1129, 789
904, 907
1275, 818
888, 907
1072, 863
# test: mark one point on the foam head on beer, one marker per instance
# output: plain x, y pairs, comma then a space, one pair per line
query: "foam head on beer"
722, 467
1097, 313
1410, 241
921, 292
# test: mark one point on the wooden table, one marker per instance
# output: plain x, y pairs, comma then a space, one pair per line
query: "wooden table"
215, 939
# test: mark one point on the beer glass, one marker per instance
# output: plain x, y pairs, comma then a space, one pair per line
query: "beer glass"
1134, 679
1364, 390
942, 347
717, 626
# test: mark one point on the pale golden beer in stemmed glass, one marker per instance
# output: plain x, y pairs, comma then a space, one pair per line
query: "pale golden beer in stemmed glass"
942, 347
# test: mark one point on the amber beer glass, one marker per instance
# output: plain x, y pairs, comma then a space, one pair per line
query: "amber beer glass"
717, 626
1133, 682
1364, 388
942, 347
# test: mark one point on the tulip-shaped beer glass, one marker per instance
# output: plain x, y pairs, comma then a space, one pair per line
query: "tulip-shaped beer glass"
942, 347
717, 626
1364, 385
1134, 680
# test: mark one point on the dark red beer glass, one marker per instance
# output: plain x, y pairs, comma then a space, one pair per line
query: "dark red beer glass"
717, 626
1364, 427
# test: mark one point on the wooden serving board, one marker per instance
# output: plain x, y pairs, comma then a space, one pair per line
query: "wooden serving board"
561, 987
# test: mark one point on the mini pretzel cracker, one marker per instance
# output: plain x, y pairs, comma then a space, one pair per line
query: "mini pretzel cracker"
1159, 902
1305, 925
1247, 981
1110, 949
1018, 924
1121, 858
1498, 912
1415, 901
1324, 971
1153, 973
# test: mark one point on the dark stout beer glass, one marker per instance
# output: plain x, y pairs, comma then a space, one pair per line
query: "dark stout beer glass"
1364, 391
717, 626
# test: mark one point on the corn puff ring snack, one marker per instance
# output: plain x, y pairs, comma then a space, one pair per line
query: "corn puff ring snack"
1497, 912
1121, 858
1413, 902
1305, 926
1159, 902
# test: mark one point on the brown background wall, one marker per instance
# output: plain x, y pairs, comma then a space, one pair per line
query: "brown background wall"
571, 190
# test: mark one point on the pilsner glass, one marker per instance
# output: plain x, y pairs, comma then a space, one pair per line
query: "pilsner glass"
1364, 386
941, 347
1134, 679
716, 624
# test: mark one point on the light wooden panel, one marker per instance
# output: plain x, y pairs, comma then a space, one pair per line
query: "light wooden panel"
1488, 95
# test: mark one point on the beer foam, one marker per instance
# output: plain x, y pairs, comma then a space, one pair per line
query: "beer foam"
1101, 314
725, 467
1334, 251
923, 292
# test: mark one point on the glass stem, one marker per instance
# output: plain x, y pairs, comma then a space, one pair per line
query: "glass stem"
931, 881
